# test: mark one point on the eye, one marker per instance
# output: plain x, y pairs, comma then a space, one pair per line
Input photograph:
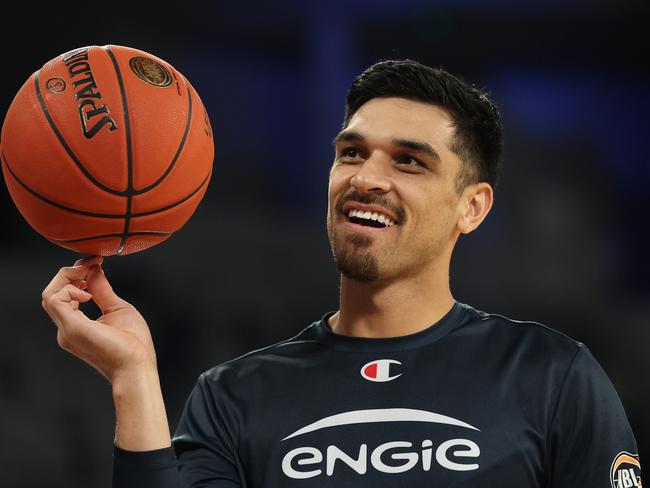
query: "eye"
407, 160
349, 153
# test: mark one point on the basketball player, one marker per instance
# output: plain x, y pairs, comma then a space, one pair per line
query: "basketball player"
403, 385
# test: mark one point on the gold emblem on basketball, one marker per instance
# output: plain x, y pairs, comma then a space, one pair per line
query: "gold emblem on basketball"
150, 71
55, 85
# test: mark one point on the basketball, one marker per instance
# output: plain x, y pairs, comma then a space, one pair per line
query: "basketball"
106, 150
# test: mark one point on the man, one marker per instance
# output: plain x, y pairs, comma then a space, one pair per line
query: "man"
403, 385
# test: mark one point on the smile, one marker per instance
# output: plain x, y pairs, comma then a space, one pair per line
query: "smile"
372, 219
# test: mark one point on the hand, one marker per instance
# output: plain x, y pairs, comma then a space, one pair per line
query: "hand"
116, 344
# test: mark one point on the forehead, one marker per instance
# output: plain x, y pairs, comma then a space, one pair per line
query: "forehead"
385, 119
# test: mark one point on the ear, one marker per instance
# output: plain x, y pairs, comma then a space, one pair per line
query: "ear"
474, 205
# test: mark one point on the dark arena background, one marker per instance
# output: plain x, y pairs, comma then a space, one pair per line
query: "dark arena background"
566, 243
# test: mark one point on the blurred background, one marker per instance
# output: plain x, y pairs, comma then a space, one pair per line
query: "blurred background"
566, 243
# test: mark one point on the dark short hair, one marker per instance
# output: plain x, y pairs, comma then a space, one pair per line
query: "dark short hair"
478, 138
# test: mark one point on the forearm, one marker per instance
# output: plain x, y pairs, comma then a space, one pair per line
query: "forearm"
141, 419
143, 457
207, 455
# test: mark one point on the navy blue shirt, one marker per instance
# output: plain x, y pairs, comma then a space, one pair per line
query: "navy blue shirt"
475, 400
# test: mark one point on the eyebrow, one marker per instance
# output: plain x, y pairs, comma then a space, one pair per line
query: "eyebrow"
418, 146
349, 136
413, 145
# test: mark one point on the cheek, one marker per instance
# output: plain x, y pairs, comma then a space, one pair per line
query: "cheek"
338, 183
432, 213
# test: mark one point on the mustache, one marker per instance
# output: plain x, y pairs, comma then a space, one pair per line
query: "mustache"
379, 200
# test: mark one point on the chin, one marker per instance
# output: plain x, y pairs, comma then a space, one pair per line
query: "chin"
360, 276
352, 256
358, 266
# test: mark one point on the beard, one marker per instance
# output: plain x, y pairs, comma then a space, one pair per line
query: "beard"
351, 252
353, 259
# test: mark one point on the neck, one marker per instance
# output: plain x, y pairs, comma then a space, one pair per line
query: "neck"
392, 309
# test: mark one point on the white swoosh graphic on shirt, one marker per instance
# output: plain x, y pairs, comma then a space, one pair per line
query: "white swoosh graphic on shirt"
380, 415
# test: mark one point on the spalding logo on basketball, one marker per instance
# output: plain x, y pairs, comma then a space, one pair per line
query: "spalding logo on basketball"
106, 150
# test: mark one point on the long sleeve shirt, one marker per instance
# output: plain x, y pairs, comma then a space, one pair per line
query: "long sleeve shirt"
475, 400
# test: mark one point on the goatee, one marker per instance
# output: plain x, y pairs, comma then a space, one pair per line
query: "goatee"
352, 257
355, 262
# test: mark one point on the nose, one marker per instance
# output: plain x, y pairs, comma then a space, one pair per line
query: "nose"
372, 177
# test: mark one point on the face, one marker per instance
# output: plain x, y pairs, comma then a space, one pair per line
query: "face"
392, 200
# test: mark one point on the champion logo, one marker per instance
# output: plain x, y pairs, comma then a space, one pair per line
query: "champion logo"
379, 370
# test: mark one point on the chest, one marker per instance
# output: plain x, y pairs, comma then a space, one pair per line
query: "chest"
389, 419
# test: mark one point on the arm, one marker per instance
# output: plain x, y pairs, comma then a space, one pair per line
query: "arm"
119, 346
590, 430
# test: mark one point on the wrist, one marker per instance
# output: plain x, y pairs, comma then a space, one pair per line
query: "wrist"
135, 377
141, 420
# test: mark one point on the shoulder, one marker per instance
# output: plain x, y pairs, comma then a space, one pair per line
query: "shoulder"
537, 356
494, 323
520, 337
288, 353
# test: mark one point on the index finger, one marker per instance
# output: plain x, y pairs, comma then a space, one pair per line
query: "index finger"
69, 275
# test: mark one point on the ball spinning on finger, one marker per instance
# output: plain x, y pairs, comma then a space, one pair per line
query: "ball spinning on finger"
107, 150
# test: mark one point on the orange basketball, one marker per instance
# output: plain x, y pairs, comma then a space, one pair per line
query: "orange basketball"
107, 150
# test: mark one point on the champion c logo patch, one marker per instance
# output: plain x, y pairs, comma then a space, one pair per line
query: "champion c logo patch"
625, 471
379, 370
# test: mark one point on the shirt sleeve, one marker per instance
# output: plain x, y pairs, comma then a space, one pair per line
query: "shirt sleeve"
202, 456
205, 441
145, 469
591, 442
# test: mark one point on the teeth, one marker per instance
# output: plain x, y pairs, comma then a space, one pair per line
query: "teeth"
371, 216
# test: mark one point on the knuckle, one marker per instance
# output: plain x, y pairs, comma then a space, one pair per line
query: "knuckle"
49, 301
62, 341
69, 288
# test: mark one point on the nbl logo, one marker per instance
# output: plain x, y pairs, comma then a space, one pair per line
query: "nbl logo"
626, 471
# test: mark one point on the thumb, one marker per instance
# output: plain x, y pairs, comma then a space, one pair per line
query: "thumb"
102, 291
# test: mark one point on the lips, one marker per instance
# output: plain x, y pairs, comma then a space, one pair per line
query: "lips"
372, 219
368, 215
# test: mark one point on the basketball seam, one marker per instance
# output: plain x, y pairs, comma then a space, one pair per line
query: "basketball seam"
178, 151
58, 205
184, 199
90, 238
129, 151
94, 214
65, 145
